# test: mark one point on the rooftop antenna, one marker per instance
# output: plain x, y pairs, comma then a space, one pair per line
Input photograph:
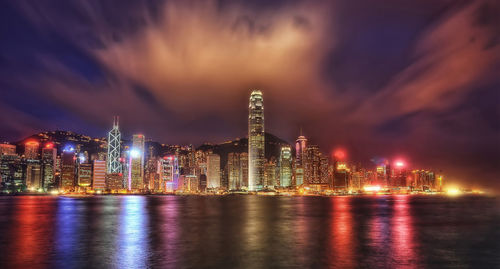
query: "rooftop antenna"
115, 121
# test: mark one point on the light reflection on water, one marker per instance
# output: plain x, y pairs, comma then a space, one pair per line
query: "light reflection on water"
132, 243
248, 232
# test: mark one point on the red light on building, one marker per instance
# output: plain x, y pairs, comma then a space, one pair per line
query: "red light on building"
400, 164
49, 145
339, 154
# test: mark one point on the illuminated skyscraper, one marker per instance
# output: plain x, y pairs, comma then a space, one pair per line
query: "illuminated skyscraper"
114, 141
244, 169
213, 171
270, 174
285, 167
84, 175
7, 149
49, 155
137, 167
33, 175
300, 155
99, 175
234, 170
300, 149
256, 141
68, 169
312, 162
31, 150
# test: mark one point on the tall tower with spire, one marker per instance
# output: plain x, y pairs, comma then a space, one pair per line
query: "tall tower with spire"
114, 141
256, 142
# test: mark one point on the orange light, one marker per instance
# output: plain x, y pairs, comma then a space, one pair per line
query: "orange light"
32, 143
49, 145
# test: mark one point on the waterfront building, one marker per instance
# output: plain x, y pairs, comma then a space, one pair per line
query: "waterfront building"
270, 174
7, 149
49, 156
99, 175
312, 162
244, 170
114, 146
84, 175
68, 169
285, 167
137, 162
256, 141
114, 182
168, 170
31, 150
234, 170
33, 175
213, 171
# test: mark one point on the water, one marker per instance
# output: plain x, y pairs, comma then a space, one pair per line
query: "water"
249, 232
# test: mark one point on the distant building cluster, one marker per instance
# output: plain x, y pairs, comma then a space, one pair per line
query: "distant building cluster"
70, 163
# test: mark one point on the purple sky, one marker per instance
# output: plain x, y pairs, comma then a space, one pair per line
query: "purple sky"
394, 78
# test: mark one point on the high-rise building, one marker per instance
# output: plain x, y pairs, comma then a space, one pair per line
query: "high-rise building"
84, 175
270, 174
99, 175
234, 170
341, 176
300, 149
11, 170
7, 149
213, 171
312, 162
244, 169
114, 144
137, 167
31, 150
114, 182
285, 167
68, 161
168, 170
256, 141
49, 155
33, 175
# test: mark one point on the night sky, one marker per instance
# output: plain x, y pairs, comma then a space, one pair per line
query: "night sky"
417, 80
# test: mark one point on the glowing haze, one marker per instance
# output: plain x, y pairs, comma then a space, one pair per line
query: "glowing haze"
417, 79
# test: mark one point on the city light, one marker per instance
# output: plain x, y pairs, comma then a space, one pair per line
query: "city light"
453, 191
339, 154
135, 153
400, 164
372, 188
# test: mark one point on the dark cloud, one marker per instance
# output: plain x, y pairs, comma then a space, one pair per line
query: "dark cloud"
417, 79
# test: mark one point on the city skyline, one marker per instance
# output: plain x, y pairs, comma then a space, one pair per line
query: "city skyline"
378, 81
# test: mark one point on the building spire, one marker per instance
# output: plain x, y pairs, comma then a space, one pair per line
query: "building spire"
116, 121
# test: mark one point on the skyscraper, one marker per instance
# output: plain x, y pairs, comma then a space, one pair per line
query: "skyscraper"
49, 153
285, 166
114, 141
234, 170
300, 153
256, 141
213, 171
137, 167
68, 169
99, 175
31, 150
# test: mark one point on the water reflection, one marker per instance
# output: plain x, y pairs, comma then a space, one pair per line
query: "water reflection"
378, 233
341, 240
132, 243
30, 233
248, 232
403, 246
